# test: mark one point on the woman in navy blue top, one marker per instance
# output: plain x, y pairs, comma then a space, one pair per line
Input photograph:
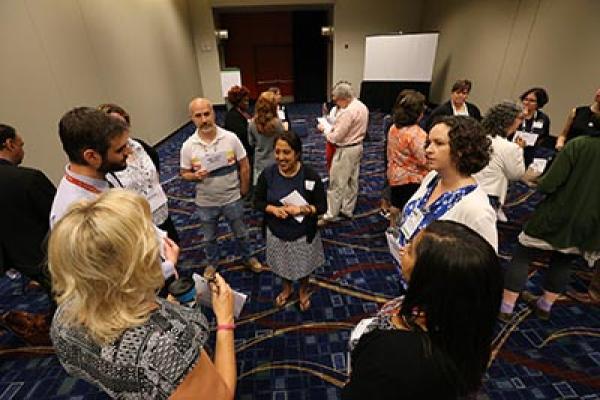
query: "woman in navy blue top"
292, 196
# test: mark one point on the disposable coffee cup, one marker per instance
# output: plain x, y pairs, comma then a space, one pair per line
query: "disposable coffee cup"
184, 290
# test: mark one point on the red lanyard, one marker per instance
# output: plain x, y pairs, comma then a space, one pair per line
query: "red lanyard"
82, 184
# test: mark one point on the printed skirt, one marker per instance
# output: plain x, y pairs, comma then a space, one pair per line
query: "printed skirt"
296, 259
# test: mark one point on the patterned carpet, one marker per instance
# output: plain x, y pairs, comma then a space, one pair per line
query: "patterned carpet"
284, 354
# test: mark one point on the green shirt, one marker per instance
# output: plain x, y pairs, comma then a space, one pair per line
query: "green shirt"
569, 216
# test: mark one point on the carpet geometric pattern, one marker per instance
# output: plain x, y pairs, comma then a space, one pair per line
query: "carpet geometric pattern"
286, 354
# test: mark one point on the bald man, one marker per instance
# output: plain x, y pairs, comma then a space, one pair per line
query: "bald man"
216, 160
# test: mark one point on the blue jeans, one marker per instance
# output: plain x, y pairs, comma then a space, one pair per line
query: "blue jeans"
209, 218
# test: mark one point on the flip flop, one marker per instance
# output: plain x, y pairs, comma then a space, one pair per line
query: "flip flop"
281, 299
304, 304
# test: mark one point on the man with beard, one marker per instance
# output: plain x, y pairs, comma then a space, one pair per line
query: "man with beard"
96, 144
215, 159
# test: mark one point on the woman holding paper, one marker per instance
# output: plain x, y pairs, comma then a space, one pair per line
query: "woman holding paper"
457, 148
506, 163
292, 196
435, 342
103, 259
535, 122
262, 131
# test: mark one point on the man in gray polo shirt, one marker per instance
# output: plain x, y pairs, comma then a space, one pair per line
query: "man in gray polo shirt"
211, 157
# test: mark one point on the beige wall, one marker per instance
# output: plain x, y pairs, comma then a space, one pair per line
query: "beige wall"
507, 46
355, 19
60, 54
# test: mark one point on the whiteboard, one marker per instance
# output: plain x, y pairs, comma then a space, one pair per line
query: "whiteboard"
229, 78
400, 57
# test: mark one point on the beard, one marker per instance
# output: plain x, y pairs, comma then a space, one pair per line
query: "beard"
107, 166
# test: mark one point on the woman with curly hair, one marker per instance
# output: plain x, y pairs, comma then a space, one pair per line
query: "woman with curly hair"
237, 118
506, 163
457, 148
262, 131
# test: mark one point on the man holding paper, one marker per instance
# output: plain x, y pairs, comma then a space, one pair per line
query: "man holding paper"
347, 134
216, 160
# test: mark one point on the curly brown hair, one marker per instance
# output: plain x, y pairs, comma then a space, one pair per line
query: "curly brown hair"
236, 94
265, 116
470, 148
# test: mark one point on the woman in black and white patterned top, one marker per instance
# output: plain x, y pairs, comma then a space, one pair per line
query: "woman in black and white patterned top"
110, 327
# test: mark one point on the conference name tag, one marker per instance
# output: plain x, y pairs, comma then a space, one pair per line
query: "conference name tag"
538, 124
309, 185
410, 226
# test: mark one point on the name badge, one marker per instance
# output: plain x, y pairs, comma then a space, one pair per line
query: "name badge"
538, 124
309, 185
410, 226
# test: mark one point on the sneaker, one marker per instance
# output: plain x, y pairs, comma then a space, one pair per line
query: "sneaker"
254, 265
504, 317
531, 301
209, 272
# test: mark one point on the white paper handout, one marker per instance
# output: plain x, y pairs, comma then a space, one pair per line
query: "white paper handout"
327, 127
281, 114
205, 297
294, 199
538, 165
394, 246
213, 161
529, 138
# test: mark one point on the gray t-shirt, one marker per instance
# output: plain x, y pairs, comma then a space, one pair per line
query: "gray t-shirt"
146, 362
221, 186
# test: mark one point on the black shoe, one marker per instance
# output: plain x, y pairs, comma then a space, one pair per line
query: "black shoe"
531, 301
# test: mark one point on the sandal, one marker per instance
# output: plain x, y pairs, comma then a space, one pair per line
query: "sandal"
281, 299
304, 304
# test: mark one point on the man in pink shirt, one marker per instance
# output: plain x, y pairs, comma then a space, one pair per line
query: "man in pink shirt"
347, 135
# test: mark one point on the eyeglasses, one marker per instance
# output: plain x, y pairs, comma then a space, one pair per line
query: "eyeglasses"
530, 100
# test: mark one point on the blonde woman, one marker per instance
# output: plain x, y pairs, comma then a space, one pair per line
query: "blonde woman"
262, 131
110, 327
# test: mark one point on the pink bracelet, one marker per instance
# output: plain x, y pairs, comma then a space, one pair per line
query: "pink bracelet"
225, 327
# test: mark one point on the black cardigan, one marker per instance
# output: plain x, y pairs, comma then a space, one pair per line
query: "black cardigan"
446, 109
316, 197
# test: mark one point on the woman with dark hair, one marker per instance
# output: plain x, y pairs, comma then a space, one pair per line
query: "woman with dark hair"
237, 117
433, 343
457, 148
291, 196
406, 162
457, 105
506, 163
583, 120
142, 175
535, 121
262, 131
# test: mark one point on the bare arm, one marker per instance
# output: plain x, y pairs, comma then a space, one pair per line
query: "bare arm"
244, 175
562, 137
193, 176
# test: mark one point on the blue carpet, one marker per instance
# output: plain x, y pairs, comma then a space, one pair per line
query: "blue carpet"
284, 354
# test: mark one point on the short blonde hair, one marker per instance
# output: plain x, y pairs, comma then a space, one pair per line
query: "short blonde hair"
103, 256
